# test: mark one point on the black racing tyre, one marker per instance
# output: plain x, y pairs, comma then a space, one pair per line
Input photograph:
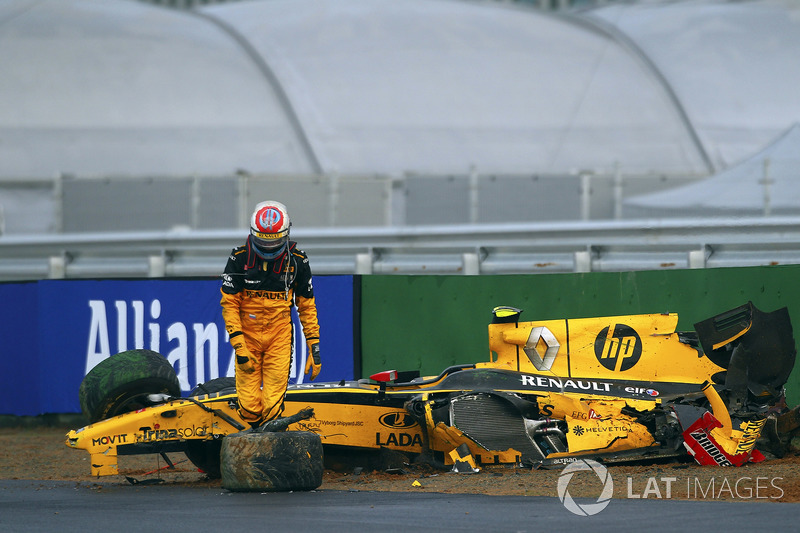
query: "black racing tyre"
122, 383
223, 384
204, 454
271, 461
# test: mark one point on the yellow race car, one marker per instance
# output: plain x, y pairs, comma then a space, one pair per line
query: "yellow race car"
613, 389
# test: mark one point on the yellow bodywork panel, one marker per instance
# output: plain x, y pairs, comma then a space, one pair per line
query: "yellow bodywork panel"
174, 421
346, 424
741, 440
363, 426
635, 347
598, 424
446, 438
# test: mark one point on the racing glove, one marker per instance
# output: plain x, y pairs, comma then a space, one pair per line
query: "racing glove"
313, 363
244, 359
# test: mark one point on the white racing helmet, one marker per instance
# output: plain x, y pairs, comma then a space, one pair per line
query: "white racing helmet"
269, 229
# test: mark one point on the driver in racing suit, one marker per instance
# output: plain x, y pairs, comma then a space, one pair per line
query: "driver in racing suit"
262, 280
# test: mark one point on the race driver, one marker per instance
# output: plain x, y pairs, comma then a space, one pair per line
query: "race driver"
262, 280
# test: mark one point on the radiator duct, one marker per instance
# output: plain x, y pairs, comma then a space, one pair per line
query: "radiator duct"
493, 423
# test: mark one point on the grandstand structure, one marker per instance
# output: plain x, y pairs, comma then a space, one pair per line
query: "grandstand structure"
123, 120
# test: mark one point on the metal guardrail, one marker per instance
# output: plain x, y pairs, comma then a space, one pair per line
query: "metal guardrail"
453, 249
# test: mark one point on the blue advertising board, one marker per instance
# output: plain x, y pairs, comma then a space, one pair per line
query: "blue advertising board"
19, 353
55, 331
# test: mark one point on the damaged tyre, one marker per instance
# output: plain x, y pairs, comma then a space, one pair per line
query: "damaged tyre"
272, 462
225, 385
123, 383
204, 454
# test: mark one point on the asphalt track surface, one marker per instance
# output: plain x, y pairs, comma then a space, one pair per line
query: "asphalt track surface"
65, 506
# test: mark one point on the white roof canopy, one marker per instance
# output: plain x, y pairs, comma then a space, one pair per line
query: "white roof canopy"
766, 183
95, 87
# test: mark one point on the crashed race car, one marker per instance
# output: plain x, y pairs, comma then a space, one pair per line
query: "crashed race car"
614, 389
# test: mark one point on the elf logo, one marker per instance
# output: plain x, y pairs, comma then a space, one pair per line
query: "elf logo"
618, 347
397, 420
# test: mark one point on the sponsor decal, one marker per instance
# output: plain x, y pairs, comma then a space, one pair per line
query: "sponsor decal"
398, 439
153, 435
341, 423
304, 425
110, 439
145, 322
544, 382
642, 390
269, 236
618, 348
121, 325
541, 348
580, 430
700, 441
710, 447
563, 460
267, 295
397, 420
750, 434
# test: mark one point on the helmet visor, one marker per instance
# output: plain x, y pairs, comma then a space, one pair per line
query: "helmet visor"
269, 245
269, 242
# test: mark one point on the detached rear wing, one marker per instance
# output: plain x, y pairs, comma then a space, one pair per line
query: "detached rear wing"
756, 348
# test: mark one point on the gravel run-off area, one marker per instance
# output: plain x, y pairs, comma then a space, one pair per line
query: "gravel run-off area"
40, 453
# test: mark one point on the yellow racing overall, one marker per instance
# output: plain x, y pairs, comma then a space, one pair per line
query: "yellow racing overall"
257, 297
